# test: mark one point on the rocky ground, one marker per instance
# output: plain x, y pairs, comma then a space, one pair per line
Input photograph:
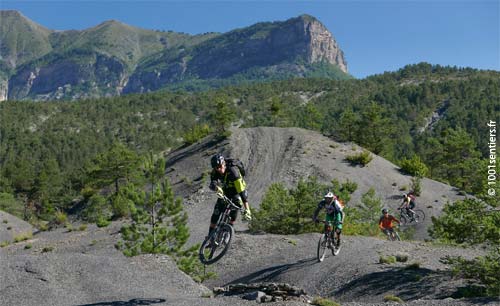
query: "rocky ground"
82, 267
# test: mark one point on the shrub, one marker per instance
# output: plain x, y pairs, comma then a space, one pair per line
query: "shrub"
196, 133
392, 298
414, 166
362, 158
60, 218
319, 301
69, 227
10, 204
387, 259
402, 257
407, 233
468, 221
4, 244
43, 226
285, 211
483, 269
102, 222
363, 220
23, 237
47, 249
82, 227
5, 221
27, 246
413, 266
94, 208
416, 185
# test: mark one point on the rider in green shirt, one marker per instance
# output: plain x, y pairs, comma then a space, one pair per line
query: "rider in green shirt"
334, 213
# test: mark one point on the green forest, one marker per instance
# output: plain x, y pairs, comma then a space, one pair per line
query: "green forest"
427, 117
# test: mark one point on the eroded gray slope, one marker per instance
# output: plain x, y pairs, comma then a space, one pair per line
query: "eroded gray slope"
286, 155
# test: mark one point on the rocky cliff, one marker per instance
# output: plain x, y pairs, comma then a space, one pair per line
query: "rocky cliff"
113, 58
264, 50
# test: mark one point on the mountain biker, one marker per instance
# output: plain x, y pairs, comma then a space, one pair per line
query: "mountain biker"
227, 181
386, 222
408, 204
334, 212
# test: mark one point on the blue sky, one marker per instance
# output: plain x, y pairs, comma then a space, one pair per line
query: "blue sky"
376, 35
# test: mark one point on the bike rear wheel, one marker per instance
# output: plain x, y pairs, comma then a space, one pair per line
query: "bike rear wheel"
216, 245
322, 247
419, 215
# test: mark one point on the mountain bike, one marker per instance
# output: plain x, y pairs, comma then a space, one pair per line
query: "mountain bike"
217, 243
328, 240
392, 235
406, 218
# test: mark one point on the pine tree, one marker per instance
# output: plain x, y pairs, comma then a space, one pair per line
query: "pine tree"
159, 224
118, 163
224, 114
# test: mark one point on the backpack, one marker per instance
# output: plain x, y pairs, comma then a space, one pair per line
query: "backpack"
234, 162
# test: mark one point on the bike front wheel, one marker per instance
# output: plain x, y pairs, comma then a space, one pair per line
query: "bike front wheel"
322, 247
216, 245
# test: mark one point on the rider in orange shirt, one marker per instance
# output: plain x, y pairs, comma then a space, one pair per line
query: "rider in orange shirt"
386, 222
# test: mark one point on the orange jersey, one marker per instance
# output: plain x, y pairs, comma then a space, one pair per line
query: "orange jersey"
387, 222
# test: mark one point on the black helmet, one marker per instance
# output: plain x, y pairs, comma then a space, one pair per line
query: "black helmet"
217, 160
384, 210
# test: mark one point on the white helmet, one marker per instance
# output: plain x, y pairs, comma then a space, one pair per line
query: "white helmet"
329, 195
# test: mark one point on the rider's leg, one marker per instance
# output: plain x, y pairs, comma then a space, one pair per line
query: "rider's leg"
338, 232
218, 209
410, 210
234, 213
338, 227
391, 233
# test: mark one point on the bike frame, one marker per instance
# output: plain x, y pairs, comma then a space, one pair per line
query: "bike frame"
223, 218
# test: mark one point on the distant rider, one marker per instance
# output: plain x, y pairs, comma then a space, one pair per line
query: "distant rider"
227, 181
408, 204
334, 213
386, 222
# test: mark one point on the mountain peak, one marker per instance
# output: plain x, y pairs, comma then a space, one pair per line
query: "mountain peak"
322, 46
22, 39
308, 18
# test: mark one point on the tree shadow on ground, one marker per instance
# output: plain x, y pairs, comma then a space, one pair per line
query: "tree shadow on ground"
271, 273
408, 284
132, 302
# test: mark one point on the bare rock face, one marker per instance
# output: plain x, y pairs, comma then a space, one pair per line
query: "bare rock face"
4, 89
322, 45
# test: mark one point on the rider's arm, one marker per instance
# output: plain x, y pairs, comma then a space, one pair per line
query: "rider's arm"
214, 181
396, 220
380, 222
316, 211
239, 185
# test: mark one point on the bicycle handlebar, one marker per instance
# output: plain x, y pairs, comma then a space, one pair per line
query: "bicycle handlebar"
227, 200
